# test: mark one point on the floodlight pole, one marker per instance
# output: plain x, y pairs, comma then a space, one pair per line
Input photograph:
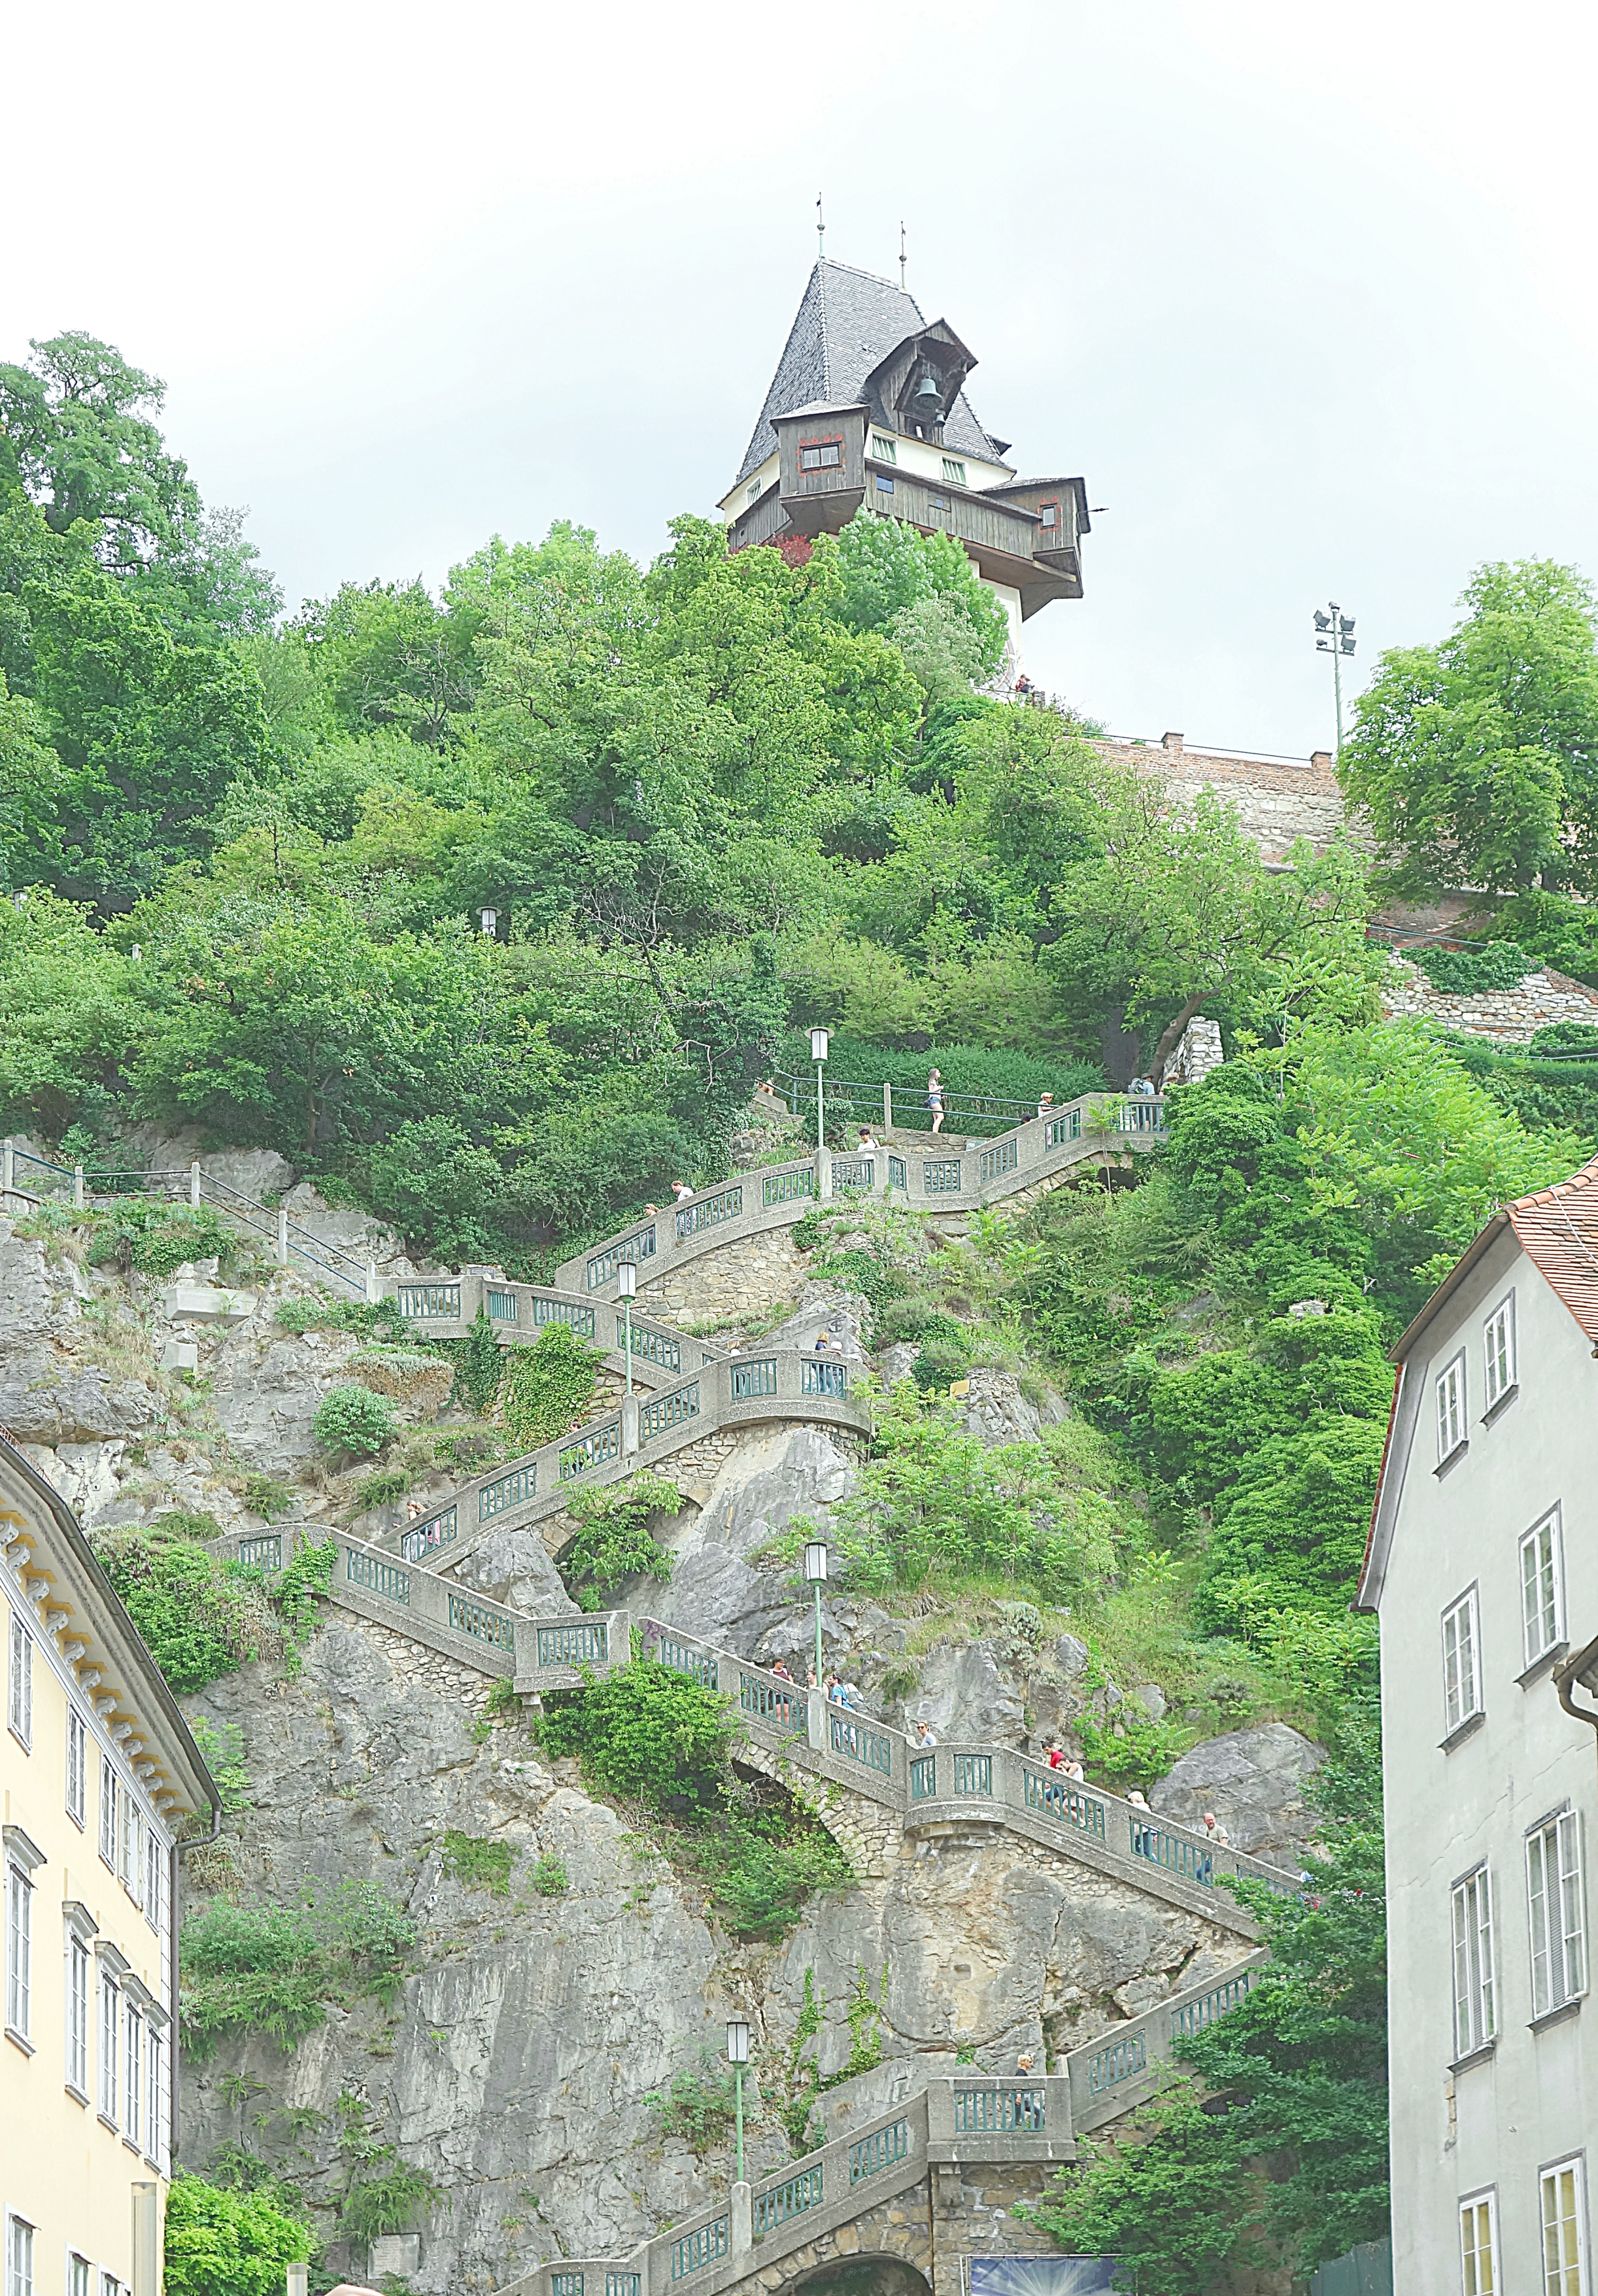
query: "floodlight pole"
818, 1054
816, 1571
1335, 635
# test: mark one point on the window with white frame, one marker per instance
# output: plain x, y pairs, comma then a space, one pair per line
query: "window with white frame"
110, 2005
152, 2118
1451, 1409
78, 1765
19, 1948
953, 472
1542, 1595
109, 2286
133, 1845
133, 2073
108, 1812
886, 450
18, 1703
1461, 1673
1478, 2245
155, 1877
18, 2257
1558, 1914
79, 2274
1564, 2235
1498, 1349
77, 2012
1475, 2016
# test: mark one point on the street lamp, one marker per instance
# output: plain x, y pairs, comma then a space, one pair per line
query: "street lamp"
626, 1291
818, 1054
1335, 636
816, 1571
298, 2279
738, 2057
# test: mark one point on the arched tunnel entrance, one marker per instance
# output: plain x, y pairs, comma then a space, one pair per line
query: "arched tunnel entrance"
861, 2276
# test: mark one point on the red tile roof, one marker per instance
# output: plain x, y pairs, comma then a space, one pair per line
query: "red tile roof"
1558, 1228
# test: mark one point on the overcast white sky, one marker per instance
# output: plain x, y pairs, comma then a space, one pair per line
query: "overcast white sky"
1306, 292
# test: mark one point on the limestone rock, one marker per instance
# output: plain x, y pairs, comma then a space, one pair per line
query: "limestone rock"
50, 1399
897, 1362
515, 1567
966, 1693
418, 1384
38, 1302
84, 1474
267, 1387
717, 1588
251, 1172
997, 1412
1253, 1780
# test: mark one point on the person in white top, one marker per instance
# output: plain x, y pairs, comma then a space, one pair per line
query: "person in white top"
681, 1191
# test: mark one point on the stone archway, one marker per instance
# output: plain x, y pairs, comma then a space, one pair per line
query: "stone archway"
878, 2275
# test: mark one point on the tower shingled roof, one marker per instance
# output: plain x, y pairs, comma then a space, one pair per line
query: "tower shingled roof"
848, 322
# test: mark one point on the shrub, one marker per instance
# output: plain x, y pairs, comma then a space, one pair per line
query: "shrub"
645, 1730
549, 1876
273, 1969
481, 1864
940, 1363
354, 1419
917, 1319
763, 1868
200, 1618
298, 1587
479, 1366
548, 1388
386, 2204
1495, 964
614, 1540
265, 1496
222, 1751
229, 2243
700, 2106
157, 1238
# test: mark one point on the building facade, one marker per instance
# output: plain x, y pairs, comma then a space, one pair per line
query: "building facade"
1482, 1568
98, 1773
868, 406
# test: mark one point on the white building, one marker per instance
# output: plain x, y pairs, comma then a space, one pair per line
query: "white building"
1483, 1568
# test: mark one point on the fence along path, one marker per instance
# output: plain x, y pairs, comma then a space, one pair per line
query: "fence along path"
944, 2119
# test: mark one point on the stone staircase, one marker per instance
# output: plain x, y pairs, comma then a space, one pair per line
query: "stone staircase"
916, 2183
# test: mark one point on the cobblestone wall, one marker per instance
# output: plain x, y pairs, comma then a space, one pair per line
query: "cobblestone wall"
412, 1661
1511, 1015
900, 2227
748, 1276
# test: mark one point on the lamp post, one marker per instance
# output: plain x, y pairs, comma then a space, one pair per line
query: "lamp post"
1335, 636
818, 1054
298, 2279
626, 1291
738, 2057
816, 1571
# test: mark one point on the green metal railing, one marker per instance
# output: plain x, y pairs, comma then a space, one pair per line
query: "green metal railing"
784, 1703
695, 2250
621, 2284
501, 1309
588, 1644
993, 1162
882, 2149
897, 1175
564, 1311
1179, 1853
683, 1658
824, 1378
638, 1246
754, 1379
786, 1187
263, 1554
590, 1451
790, 2199
1052, 1796
973, 1773
382, 1577
923, 1778
650, 1347
861, 1744
999, 2112
940, 1179
854, 1172
1192, 2016
1061, 1130
422, 1537
418, 1302
1118, 2062
521, 1483
668, 1410
482, 1623
711, 1212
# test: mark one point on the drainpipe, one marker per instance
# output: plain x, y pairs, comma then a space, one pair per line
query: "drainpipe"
1583, 1668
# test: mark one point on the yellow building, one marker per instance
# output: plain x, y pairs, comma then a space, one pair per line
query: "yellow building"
98, 1773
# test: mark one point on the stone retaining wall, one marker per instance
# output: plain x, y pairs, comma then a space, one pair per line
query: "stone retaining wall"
1277, 800
1511, 1015
749, 1277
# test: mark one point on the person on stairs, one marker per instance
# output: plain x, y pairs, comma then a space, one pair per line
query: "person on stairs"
935, 1099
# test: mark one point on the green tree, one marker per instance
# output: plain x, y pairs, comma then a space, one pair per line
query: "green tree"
1477, 760
76, 435
229, 2243
890, 571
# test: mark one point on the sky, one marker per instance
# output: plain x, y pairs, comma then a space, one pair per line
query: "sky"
1304, 292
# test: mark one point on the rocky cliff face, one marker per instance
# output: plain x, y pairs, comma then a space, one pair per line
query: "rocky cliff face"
564, 1971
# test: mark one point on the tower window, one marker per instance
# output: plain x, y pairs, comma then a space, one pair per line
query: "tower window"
953, 472
1048, 513
753, 494
886, 450
825, 455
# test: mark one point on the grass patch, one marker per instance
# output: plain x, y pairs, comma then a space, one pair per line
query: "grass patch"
478, 1862
273, 1969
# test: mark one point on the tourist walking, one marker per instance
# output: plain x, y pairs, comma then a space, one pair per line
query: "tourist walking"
935, 1099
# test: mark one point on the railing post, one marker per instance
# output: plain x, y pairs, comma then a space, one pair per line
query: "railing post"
887, 1110
630, 1425
815, 1718
78, 1187
743, 2219
8, 1165
374, 1283
194, 1182
824, 1170
283, 1237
